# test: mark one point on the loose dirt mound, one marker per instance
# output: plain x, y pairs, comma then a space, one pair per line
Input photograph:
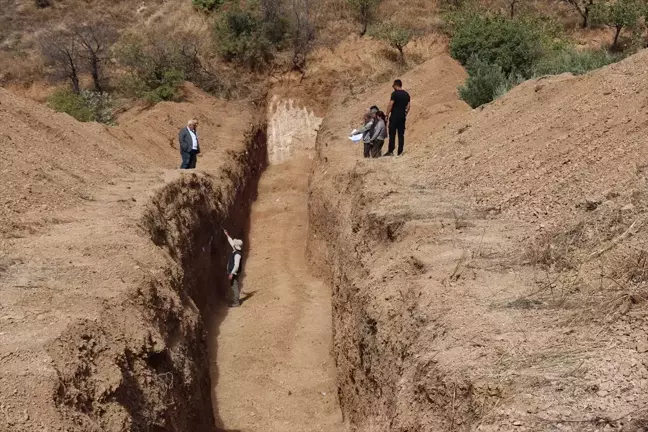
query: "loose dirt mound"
473, 281
541, 150
99, 327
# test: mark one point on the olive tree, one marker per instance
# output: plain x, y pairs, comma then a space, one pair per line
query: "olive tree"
365, 11
583, 7
618, 15
396, 36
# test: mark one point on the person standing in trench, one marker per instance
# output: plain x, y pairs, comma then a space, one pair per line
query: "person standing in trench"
234, 267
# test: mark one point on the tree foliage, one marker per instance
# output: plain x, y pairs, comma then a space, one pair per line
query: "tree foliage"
365, 12
583, 7
155, 67
396, 36
618, 15
249, 36
512, 44
302, 32
207, 5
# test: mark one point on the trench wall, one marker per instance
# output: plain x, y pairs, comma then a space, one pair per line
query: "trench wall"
155, 376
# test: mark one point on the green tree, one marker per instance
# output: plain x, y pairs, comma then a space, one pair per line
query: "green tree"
618, 15
513, 45
155, 67
583, 7
207, 5
484, 82
365, 11
242, 36
396, 36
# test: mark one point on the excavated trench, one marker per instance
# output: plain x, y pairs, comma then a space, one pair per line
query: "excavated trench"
270, 361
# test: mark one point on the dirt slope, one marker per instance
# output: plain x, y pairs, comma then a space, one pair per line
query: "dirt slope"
99, 327
442, 321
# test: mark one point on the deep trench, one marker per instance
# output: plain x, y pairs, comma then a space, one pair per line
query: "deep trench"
198, 204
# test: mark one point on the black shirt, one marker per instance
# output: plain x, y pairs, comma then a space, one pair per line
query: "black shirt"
401, 99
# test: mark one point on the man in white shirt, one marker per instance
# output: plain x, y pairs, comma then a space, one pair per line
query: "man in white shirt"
234, 267
189, 145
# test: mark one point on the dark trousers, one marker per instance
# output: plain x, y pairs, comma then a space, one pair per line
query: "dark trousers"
188, 159
396, 125
235, 291
367, 150
376, 148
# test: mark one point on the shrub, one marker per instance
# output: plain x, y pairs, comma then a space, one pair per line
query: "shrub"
241, 36
483, 84
512, 44
569, 59
43, 3
396, 36
207, 5
156, 68
84, 106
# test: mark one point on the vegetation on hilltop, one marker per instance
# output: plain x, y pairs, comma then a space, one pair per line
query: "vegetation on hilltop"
500, 50
227, 46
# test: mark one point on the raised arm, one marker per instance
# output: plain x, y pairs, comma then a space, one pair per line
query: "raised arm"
229, 239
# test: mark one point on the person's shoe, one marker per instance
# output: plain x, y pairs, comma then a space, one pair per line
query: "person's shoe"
234, 305
389, 154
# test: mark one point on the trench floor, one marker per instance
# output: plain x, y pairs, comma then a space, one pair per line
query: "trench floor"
272, 368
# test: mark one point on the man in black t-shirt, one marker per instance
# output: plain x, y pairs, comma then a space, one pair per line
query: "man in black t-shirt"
397, 111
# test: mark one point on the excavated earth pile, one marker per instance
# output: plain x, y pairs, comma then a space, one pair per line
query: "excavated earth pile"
492, 277
108, 258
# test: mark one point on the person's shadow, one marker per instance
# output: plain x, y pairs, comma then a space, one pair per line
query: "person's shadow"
247, 296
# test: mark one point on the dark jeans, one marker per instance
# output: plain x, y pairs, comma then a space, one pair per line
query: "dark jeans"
188, 159
396, 125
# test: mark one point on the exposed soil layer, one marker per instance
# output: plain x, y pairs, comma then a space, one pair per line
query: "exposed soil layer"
102, 288
449, 313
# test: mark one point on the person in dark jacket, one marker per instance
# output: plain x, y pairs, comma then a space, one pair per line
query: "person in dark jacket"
189, 145
397, 111
234, 266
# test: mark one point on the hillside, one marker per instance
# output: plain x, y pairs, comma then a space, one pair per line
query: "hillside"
492, 278
99, 326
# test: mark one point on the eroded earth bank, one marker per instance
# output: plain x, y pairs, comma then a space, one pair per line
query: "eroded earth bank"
492, 278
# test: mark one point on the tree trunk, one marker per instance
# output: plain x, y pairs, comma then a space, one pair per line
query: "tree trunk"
74, 78
513, 8
94, 71
617, 33
401, 58
585, 16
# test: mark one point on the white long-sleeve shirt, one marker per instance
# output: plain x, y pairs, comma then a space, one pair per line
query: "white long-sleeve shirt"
237, 264
194, 139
